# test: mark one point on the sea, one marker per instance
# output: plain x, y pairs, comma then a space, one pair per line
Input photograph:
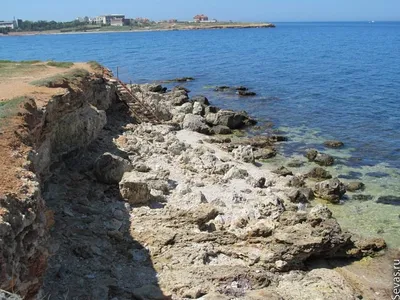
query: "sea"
314, 82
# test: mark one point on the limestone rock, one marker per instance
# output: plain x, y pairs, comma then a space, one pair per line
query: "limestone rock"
320, 212
185, 108
282, 171
200, 99
220, 129
231, 119
195, 123
265, 153
236, 173
134, 188
198, 109
244, 153
110, 168
331, 190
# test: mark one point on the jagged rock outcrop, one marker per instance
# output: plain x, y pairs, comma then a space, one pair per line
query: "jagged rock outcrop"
69, 122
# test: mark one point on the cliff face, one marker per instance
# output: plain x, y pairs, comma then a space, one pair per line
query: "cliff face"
40, 138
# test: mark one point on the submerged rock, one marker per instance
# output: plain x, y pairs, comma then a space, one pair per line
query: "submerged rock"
360, 197
333, 144
320, 158
355, 186
324, 159
110, 168
389, 200
246, 93
318, 173
331, 190
180, 79
311, 154
295, 164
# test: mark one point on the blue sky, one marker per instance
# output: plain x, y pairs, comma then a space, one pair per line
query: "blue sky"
240, 10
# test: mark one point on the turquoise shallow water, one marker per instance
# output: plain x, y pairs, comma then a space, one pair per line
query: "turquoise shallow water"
315, 81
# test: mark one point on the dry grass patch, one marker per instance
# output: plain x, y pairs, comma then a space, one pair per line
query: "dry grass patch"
62, 80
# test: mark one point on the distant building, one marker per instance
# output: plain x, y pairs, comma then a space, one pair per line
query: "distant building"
209, 21
83, 19
142, 20
9, 24
200, 18
112, 20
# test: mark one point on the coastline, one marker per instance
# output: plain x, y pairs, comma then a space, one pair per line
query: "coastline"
177, 197
171, 28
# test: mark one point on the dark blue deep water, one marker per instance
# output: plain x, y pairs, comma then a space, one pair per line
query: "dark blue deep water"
340, 79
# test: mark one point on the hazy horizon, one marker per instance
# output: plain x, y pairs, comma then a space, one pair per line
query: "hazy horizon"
223, 10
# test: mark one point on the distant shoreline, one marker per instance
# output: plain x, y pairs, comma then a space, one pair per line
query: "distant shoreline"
148, 29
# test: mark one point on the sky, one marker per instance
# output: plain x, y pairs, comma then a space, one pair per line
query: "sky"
223, 10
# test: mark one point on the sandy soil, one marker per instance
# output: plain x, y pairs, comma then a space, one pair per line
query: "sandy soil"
17, 84
13, 130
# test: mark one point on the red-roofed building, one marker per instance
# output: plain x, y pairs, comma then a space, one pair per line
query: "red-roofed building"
200, 18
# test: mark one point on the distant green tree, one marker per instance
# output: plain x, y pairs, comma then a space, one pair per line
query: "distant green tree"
42, 25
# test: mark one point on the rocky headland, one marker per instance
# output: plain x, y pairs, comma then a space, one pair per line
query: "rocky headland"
108, 207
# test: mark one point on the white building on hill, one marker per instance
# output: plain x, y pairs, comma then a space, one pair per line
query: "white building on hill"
113, 20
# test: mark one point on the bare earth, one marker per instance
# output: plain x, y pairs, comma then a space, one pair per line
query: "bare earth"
15, 82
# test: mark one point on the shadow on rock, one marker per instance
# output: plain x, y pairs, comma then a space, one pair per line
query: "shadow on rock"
93, 253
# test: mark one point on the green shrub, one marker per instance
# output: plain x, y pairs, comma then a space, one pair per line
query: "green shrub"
95, 65
62, 80
10, 107
60, 64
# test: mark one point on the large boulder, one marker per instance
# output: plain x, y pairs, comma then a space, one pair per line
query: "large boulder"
331, 190
195, 123
201, 99
231, 119
134, 188
110, 168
